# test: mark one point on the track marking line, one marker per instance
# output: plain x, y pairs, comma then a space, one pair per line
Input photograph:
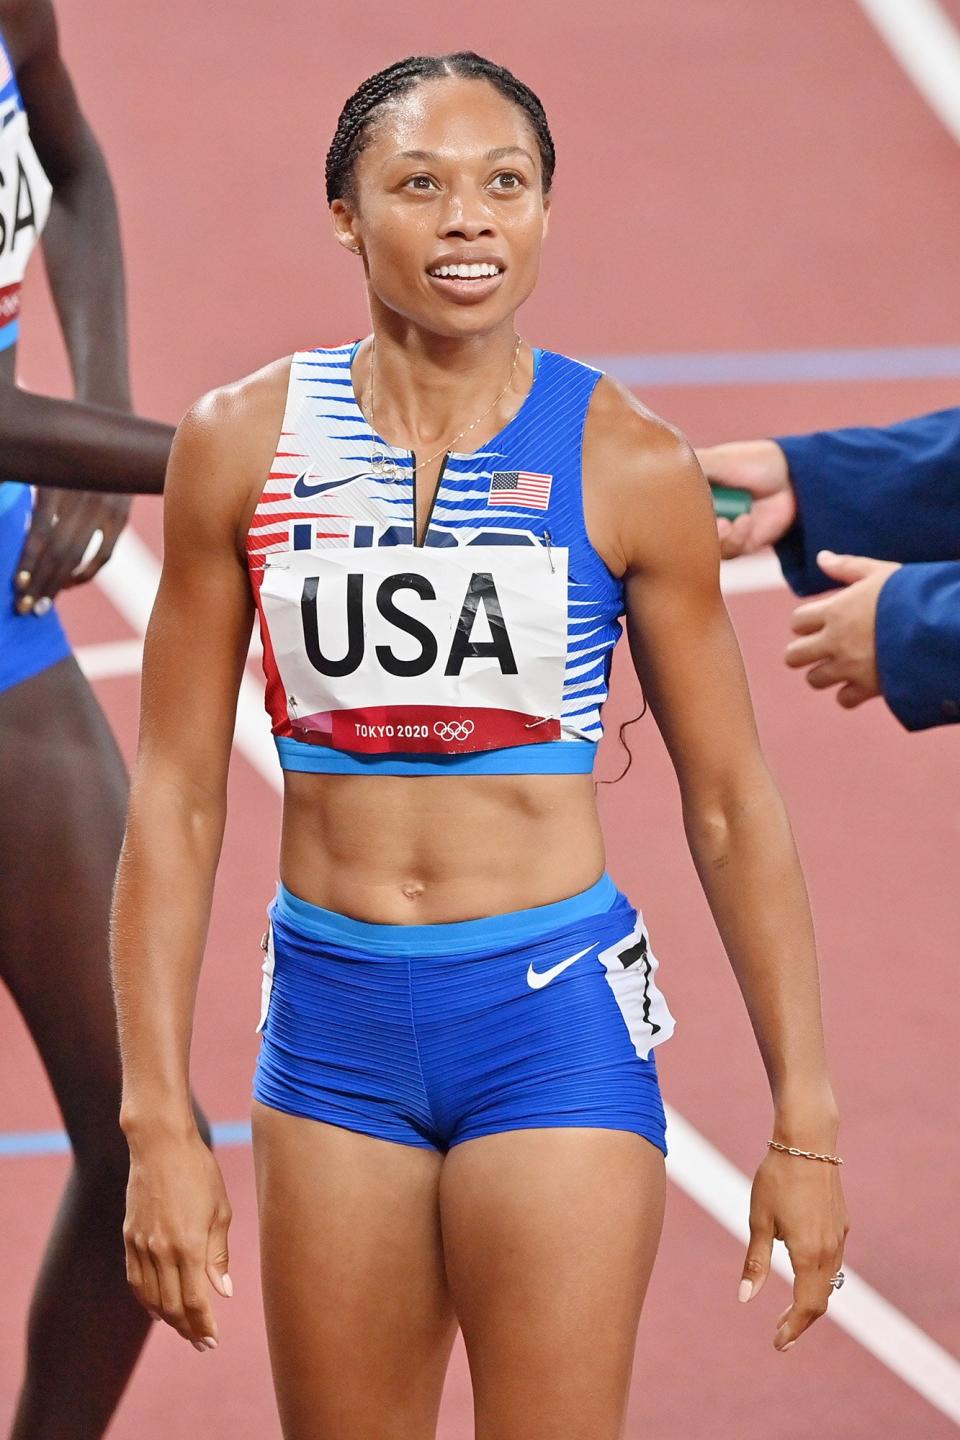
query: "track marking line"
784, 367
923, 39
708, 1177
110, 659
696, 1166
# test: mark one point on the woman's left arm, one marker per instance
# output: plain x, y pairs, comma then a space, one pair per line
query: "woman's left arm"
662, 538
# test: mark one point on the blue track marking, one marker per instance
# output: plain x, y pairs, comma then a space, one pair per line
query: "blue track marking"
54, 1142
784, 367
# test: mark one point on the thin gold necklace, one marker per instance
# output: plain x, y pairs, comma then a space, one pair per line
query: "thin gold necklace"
385, 465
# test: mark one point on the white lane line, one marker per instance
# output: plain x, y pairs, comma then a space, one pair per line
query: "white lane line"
723, 1191
130, 582
924, 40
109, 659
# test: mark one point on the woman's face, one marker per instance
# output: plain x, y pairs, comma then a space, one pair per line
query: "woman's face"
451, 177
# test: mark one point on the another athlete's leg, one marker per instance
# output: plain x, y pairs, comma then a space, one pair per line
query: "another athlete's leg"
550, 1237
63, 803
358, 1315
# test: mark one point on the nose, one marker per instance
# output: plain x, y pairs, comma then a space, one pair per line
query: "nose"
466, 216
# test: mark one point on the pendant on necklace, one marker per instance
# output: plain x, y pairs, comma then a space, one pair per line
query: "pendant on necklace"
384, 467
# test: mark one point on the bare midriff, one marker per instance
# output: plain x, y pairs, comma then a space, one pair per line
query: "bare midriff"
424, 850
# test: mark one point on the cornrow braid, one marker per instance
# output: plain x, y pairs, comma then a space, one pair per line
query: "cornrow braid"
361, 110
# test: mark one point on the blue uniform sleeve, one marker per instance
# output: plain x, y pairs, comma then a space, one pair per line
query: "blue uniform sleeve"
918, 644
892, 494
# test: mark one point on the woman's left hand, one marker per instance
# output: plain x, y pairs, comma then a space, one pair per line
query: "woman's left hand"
800, 1202
64, 523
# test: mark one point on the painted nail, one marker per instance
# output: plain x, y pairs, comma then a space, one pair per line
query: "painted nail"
197, 1346
227, 1285
209, 1341
42, 605
745, 1291
23, 579
789, 1346
24, 605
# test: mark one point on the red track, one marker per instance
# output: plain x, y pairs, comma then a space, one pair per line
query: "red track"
742, 176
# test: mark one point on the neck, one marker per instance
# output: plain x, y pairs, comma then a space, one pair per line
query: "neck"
427, 386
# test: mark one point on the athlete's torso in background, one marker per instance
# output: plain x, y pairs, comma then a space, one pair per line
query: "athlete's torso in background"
24, 206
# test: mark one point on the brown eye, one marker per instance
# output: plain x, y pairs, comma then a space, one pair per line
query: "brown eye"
508, 180
421, 182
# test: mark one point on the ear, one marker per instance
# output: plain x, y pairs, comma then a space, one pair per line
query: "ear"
346, 226
546, 215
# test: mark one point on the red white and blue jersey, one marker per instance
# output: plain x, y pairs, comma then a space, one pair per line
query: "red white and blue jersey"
24, 199
486, 649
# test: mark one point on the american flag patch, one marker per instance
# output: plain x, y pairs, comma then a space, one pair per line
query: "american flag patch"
520, 487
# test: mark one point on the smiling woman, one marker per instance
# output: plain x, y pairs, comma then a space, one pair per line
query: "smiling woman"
440, 529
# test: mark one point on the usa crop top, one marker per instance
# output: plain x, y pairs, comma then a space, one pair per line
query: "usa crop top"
484, 650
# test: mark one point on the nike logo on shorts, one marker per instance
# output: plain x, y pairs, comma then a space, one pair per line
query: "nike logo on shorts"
304, 487
536, 979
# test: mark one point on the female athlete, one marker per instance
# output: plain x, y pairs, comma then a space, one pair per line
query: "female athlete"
63, 788
457, 1118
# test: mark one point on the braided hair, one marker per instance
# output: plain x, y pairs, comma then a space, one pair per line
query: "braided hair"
361, 110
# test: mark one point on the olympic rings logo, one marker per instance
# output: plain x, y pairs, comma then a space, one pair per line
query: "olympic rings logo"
450, 730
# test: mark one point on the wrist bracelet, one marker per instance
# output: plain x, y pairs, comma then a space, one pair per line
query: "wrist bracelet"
805, 1154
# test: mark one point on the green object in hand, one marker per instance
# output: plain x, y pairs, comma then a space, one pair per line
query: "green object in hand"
730, 503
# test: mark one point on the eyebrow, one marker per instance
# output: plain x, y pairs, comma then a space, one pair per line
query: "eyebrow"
501, 153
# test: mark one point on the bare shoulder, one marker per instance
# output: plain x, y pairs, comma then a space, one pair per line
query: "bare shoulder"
642, 485
223, 449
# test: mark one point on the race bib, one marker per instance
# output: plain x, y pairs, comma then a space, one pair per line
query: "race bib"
24, 206
400, 648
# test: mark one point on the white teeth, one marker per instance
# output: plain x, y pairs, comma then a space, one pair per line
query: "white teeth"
481, 271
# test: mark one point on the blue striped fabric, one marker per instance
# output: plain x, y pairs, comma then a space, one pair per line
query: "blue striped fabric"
446, 1040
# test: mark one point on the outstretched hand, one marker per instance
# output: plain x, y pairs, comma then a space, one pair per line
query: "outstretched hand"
838, 632
759, 466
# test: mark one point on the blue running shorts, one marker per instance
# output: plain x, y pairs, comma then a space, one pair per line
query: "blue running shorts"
28, 643
433, 1034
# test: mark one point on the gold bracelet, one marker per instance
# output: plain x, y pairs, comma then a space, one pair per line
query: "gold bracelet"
806, 1154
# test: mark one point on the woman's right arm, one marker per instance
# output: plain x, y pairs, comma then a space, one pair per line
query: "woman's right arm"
196, 645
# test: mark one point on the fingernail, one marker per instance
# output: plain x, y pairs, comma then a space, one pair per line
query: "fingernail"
197, 1346
227, 1285
789, 1346
745, 1291
23, 579
24, 604
209, 1341
825, 554
42, 605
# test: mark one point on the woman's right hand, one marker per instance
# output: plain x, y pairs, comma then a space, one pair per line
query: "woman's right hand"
759, 466
175, 1234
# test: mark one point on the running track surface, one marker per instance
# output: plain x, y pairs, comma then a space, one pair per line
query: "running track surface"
745, 177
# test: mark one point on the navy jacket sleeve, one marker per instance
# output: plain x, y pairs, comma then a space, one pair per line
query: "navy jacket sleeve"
918, 644
892, 493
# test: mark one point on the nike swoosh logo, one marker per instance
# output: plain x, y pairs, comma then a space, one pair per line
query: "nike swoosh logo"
304, 488
536, 979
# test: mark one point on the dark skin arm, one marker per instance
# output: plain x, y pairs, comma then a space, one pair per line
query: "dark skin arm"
652, 519
92, 443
